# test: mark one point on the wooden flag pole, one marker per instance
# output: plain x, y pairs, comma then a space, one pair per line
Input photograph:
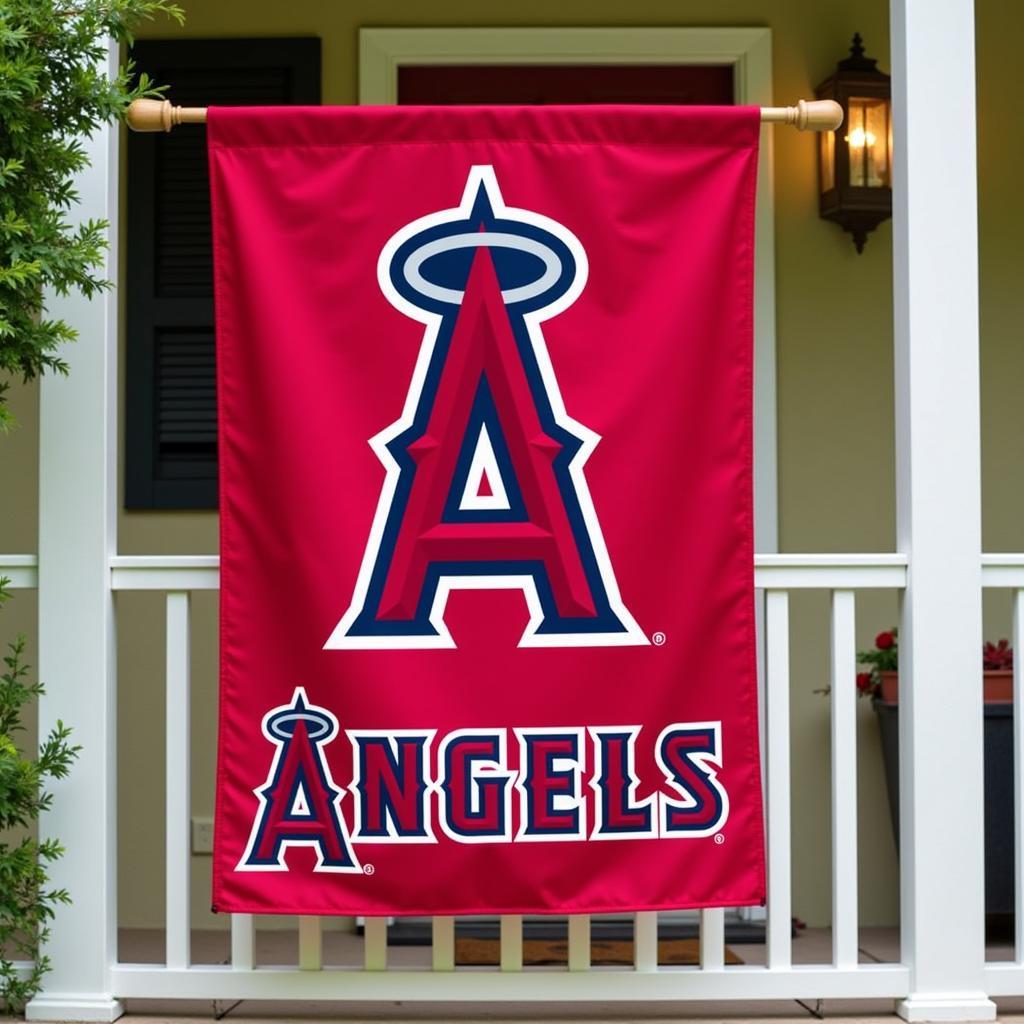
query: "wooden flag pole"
807, 115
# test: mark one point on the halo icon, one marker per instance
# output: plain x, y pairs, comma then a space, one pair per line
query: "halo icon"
319, 726
413, 273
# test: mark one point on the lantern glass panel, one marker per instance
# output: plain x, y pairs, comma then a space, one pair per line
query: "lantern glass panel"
867, 137
827, 143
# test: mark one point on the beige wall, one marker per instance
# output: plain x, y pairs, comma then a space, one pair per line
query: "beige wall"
834, 400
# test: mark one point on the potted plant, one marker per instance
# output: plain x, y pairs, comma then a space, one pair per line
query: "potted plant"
880, 682
883, 679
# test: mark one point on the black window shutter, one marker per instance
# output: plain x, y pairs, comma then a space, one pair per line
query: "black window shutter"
170, 402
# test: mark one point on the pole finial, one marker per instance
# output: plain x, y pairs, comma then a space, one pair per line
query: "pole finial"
161, 115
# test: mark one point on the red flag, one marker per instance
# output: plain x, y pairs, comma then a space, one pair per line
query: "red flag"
487, 638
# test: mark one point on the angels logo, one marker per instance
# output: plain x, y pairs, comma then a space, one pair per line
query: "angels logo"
415, 786
299, 803
485, 486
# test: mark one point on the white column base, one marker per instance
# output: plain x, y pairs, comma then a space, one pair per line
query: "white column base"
959, 1006
74, 1007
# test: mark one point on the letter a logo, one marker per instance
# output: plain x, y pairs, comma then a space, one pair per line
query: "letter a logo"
299, 802
484, 487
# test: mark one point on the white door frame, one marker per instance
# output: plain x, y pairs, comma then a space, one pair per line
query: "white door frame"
382, 51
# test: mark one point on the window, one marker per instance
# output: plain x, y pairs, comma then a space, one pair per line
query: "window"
171, 415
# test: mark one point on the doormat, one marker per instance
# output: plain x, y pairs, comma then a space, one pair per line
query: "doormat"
471, 952
412, 931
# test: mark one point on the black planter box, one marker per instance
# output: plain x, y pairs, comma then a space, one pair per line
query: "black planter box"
999, 829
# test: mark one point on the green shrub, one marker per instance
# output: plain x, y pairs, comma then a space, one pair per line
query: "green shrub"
54, 91
26, 904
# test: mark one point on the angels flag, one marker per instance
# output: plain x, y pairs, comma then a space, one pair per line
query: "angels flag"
487, 606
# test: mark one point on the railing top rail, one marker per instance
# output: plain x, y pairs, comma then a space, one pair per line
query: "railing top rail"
801, 559
18, 561
833, 560
840, 571
136, 562
165, 572
831, 571
1002, 569
772, 571
21, 570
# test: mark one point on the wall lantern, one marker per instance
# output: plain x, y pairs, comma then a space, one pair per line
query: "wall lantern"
855, 161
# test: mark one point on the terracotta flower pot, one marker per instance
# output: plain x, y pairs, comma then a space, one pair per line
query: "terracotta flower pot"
998, 686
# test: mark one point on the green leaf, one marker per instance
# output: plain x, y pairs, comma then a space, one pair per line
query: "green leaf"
54, 91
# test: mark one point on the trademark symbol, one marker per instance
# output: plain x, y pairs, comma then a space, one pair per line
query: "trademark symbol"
658, 639
368, 869
719, 839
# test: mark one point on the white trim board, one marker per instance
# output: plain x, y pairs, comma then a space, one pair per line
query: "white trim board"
383, 50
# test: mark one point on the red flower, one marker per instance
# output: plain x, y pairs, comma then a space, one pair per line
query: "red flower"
998, 656
864, 681
884, 641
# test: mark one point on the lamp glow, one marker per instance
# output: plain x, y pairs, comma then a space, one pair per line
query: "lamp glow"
859, 138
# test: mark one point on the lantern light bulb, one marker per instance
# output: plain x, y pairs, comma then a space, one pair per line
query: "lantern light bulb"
859, 138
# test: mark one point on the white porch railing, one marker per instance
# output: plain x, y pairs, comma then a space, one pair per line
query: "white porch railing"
780, 978
842, 977
308, 978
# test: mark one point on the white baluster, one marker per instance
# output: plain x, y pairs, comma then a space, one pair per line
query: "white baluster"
511, 942
177, 810
579, 942
443, 943
780, 946
844, 780
311, 952
645, 941
712, 939
243, 942
375, 943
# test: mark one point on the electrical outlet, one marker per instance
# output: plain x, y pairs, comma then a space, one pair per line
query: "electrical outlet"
202, 835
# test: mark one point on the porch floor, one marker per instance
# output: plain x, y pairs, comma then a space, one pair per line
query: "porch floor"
812, 945
548, 1014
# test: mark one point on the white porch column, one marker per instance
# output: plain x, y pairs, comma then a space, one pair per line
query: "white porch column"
935, 258
77, 485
